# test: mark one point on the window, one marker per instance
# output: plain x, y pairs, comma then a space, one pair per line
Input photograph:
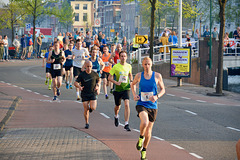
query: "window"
84, 6
75, 29
76, 16
85, 17
77, 6
118, 16
81, 29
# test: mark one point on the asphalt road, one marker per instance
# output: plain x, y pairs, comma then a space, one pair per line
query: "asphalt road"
207, 127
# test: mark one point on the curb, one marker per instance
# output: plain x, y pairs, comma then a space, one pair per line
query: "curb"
10, 112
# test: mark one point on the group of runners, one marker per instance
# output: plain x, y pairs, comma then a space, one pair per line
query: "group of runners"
89, 69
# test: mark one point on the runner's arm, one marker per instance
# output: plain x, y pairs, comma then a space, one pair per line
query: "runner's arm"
133, 86
161, 85
49, 60
102, 64
110, 78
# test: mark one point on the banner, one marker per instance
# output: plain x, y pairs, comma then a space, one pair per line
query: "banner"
180, 62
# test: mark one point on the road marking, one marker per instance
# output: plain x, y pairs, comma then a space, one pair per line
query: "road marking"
171, 95
219, 104
201, 101
36, 93
2, 82
28, 90
190, 112
78, 101
45, 95
8, 83
15, 86
136, 130
121, 124
195, 155
21, 88
34, 76
185, 98
104, 115
158, 138
235, 129
177, 146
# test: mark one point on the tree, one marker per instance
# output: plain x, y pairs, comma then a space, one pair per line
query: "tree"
13, 15
222, 5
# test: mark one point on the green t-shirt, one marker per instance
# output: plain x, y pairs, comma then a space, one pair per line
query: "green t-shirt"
122, 74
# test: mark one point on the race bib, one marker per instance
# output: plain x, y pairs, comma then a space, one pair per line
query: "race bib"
123, 79
95, 70
145, 96
56, 66
106, 64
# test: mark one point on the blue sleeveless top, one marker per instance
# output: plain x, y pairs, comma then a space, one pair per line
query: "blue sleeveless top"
147, 88
95, 66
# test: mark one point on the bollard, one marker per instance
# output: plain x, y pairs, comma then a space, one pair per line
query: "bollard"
225, 79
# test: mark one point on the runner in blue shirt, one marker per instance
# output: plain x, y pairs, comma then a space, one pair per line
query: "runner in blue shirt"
69, 66
48, 80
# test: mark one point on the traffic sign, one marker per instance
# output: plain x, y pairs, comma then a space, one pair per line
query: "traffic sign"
112, 30
97, 22
28, 27
141, 39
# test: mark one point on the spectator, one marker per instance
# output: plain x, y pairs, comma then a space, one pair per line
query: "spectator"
1, 48
226, 40
206, 33
134, 44
173, 39
5, 41
236, 33
39, 44
164, 41
24, 47
215, 33
29, 45
115, 39
196, 35
16, 44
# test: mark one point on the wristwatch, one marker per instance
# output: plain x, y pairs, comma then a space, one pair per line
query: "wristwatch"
158, 96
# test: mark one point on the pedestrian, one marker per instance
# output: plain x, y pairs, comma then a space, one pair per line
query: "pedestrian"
215, 33
1, 48
69, 66
29, 45
39, 44
24, 47
147, 102
16, 44
88, 82
48, 80
123, 72
5, 41
79, 55
108, 66
57, 59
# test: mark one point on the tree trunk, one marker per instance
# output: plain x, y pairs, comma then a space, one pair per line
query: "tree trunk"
153, 3
12, 22
222, 4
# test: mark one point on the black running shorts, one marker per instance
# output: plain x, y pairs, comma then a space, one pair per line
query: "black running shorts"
152, 113
48, 70
88, 97
76, 71
118, 96
56, 73
67, 68
105, 75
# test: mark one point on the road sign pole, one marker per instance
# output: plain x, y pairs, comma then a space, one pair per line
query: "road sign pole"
179, 79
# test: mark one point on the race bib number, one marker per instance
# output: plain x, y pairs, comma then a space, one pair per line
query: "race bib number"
123, 79
56, 66
95, 70
145, 96
106, 64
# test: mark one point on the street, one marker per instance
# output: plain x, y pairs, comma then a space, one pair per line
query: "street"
204, 127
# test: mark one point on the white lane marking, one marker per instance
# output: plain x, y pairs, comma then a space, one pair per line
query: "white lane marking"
36, 93
190, 112
21, 88
34, 76
195, 155
201, 101
121, 124
2, 82
78, 101
171, 95
158, 138
177, 146
136, 130
45, 95
104, 115
219, 104
235, 129
28, 90
185, 98
8, 83
14, 86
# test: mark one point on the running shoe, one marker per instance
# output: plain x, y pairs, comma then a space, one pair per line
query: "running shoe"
126, 127
140, 143
54, 98
71, 86
116, 121
106, 96
46, 82
67, 86
86, 126
90, 109
143, 155
49, 87
58, 92
78, 98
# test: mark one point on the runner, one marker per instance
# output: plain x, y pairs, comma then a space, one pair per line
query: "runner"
88, 83
108, 66
48, 80
147, 102
115, 55
57, 58
96, 61
69, 66
123, 72
79, 55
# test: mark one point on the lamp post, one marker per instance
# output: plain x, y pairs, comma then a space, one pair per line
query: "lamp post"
210, 47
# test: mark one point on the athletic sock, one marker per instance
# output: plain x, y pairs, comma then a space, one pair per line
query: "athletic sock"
144, 149
116, 116
50, 82
141, 136
78, 94
126, 122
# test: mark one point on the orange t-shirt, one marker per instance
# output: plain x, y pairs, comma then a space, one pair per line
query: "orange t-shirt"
108, 66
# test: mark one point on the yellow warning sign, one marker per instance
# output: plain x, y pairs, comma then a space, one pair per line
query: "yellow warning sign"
112, 30
141, 39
